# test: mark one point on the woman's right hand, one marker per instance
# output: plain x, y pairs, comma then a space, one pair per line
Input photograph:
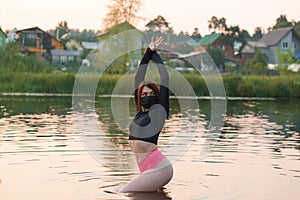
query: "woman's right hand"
154, 44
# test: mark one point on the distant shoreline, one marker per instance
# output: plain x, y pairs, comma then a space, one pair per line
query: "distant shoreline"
131, 96
236, 86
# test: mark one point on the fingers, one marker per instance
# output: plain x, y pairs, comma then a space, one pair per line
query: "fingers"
155, 42
152, 44
158, 40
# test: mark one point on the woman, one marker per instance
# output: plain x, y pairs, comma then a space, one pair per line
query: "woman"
152, 102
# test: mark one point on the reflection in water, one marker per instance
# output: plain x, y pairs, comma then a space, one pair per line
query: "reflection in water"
257, 155
162, 194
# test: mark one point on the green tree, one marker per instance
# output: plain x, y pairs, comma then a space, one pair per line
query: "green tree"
297, 28
122, 11
61, 29
218, 57
84, 35
282, 22
233, 34
257, 34
256, 65
13, 61
196, 35
284, 58
236, 37
215, 24
158, 24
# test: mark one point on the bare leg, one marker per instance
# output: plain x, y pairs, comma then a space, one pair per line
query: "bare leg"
150, 181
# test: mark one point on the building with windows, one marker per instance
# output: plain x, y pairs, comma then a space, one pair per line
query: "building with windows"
65, 56
276, 40
36, 41
216, 40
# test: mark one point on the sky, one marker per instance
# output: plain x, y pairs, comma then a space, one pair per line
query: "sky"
183, 15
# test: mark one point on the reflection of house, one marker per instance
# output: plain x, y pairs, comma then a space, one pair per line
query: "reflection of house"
216, 40
38, 42
2, 39
279, 39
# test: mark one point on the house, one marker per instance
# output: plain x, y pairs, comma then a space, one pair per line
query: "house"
249, 49
74, 44
38, 42
11, 35
216, 40
279, 39
89, 45
2, 39
65, 56
185, 45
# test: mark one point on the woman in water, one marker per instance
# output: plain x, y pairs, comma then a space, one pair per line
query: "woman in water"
152, 103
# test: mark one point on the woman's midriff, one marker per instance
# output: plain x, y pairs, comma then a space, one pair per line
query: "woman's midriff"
141, 149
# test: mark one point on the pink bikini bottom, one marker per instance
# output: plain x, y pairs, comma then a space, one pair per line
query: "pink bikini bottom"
151, 160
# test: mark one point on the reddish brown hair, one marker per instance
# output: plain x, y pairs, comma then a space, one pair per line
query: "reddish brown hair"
150, 84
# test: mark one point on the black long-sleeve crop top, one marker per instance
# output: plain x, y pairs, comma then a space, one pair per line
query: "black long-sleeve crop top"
146, 126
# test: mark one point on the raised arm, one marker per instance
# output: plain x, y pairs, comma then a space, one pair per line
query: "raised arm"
164, 82
142, 69
140, 74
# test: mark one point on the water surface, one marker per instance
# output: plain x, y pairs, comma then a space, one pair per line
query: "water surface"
257, 155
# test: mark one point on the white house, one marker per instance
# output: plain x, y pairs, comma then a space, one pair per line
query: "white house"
279, 39
11, 35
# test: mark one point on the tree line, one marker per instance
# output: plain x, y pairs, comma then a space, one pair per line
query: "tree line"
127, 11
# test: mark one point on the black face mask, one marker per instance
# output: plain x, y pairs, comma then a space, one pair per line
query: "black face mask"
148, 101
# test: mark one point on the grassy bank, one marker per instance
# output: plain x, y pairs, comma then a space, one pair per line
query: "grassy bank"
285, 86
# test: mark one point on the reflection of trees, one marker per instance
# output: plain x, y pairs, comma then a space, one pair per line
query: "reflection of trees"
285, 113
110, 127
36, 132
31, 122
35, 105
275, 123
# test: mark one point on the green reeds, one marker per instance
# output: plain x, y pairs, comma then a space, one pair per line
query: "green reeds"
284, 86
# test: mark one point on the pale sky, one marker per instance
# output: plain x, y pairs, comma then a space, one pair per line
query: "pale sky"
183, 15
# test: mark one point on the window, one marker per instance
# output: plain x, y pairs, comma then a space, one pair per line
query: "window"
222, 47
285, 45
31, 36
63, 58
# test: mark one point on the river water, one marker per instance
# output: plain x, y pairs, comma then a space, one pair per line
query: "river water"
43, 156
